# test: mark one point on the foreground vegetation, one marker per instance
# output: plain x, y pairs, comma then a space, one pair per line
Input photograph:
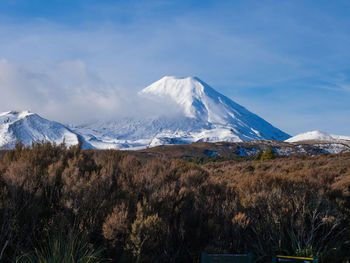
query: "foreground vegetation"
96, 206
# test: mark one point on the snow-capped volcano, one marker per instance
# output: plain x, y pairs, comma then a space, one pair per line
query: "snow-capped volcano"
27, 127
201, 102
205, 115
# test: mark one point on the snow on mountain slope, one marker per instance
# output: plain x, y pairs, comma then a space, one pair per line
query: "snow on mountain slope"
201, 102
340, 137
316, 135
27, 127
205, 115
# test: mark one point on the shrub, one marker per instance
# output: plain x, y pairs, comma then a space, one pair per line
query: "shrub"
59, 248
269, 154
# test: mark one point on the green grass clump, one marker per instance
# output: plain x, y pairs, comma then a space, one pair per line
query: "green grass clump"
59, 248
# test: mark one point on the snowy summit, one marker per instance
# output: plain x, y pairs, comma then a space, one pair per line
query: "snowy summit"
206, 115
27, 127
316, 136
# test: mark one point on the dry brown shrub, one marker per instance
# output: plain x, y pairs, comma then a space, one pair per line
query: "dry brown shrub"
116, 225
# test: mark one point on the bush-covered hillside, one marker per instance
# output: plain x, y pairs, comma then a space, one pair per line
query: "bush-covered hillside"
127, 208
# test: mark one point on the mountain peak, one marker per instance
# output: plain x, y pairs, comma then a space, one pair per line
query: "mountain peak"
28, 127
16, 113
175, 87
200, 102
318, 136
311, 135
190, 93
190, 78
10, 116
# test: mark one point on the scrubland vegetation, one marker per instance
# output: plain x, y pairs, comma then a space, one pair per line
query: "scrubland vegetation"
97, 206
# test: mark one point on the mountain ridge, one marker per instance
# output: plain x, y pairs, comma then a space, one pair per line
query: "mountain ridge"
204, 115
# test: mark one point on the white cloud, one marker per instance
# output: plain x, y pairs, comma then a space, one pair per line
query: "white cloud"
68, 92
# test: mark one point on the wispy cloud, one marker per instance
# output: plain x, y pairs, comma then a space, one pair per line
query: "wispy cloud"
65, 89
70, 93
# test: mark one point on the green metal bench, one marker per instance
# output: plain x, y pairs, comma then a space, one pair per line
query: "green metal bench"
227, 258
291, 259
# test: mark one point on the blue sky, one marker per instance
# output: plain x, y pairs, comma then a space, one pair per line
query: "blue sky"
287, 61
